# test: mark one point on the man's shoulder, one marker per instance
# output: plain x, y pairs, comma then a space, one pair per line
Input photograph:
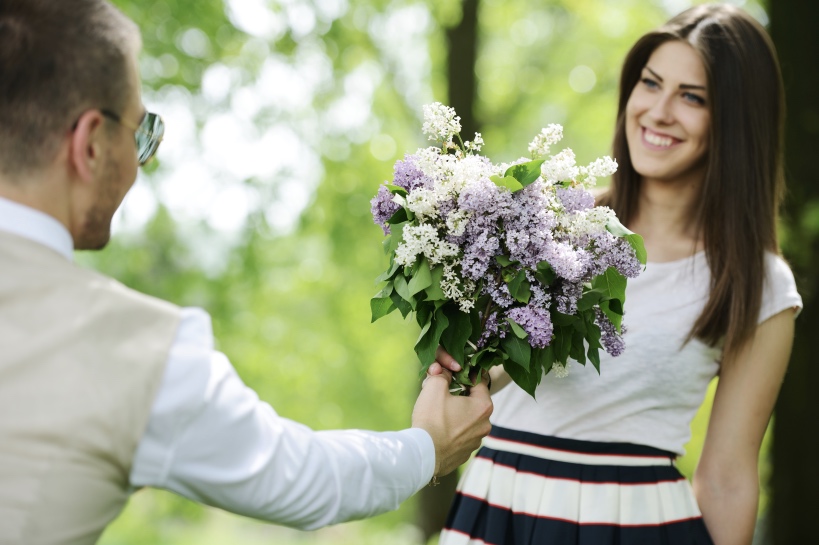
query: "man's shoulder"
33, 271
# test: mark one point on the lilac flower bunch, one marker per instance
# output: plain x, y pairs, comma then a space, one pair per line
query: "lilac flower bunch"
503, 264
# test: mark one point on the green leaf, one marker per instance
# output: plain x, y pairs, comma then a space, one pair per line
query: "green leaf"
616, 306
578, 348
594, 357
615, 317
504, 261
400, 216
518, 350
404, 307
525, 173
402, 288
525, 378
593, 333
542, 359
396, 237
558, 318
589, 299
636, 241
509, 182
639, 246
380, 307
430, 338
434, 292
545, 274
562, 343
389, 273
516, 329
519, 288
422, 279
612, 284
397, 190
454, 337
423, 313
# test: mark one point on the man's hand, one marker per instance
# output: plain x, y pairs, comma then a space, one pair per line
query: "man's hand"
456, 423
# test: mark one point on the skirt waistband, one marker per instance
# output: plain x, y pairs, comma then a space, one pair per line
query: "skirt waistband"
576, 451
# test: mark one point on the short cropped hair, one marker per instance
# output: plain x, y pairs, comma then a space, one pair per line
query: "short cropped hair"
58, 59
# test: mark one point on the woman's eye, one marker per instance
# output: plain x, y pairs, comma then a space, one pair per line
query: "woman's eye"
650, 83
695, 99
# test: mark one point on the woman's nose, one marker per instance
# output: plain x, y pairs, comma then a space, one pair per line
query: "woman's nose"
661, 110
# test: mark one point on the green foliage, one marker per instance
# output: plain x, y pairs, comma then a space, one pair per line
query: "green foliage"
290, 308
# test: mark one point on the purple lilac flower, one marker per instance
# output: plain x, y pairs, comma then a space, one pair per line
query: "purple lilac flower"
528, 223
478, 255
567, 297
536, 322
491, 329
382, 208
612, 251
540, 295
612, 341
575, 199
498, 291
568, 263
407, 175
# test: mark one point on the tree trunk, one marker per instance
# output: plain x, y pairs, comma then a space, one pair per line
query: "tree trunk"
463, 44
795, 478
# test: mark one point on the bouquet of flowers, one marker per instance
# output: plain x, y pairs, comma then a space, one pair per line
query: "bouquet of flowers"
503, 264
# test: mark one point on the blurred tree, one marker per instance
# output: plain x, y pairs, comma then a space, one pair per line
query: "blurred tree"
796, 426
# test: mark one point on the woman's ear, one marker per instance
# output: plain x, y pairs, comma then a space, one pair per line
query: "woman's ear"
86, 145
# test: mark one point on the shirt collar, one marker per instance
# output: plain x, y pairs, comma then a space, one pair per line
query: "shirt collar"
36, 226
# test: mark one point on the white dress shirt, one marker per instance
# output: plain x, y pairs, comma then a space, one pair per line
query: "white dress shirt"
209, 437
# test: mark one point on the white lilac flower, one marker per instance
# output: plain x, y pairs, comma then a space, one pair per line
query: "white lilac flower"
552, 134
423, 203
440, 122
423, 240
476, 144
600, 168
560, 370
584, 223
560, 167
456, 222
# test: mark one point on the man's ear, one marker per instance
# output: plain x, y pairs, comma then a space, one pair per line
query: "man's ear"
87, 140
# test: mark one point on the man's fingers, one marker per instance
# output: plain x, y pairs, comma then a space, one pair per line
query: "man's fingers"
447, 361
441, 380
435, 369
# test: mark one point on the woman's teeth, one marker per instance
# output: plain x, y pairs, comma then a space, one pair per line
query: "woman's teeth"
657, 140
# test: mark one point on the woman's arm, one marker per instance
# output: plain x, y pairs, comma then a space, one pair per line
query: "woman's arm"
726, 482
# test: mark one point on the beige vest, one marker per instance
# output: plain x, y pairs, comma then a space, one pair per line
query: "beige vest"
81, 357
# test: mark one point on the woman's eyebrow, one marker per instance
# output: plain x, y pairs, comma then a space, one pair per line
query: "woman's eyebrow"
682, 85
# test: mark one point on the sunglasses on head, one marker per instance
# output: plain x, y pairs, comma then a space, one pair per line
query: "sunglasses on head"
147, 135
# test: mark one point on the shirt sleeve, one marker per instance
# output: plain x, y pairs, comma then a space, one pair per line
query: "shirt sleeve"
779, 291
209, 438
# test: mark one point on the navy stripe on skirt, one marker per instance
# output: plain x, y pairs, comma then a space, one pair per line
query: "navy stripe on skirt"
525, 489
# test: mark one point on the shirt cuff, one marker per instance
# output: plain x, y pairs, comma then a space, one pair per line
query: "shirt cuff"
426, 448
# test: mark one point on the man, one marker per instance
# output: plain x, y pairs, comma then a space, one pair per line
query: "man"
104, 390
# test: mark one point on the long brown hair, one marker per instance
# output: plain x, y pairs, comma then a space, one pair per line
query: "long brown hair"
744, 181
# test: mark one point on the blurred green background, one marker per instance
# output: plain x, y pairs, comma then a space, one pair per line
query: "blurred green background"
282, 119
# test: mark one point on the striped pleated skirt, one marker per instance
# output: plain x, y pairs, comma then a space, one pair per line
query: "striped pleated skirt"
527, 489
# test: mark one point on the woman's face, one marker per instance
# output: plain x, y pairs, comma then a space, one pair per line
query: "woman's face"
667, 115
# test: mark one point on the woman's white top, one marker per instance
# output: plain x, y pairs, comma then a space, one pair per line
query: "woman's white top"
651, 392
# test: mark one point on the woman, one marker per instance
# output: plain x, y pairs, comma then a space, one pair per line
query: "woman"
698, 139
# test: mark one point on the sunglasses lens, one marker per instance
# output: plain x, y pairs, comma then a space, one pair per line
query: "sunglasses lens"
150, 133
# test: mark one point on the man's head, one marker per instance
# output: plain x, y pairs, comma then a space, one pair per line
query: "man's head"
69, 107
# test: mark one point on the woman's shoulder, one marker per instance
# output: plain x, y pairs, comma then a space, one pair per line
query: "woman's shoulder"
780, 291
